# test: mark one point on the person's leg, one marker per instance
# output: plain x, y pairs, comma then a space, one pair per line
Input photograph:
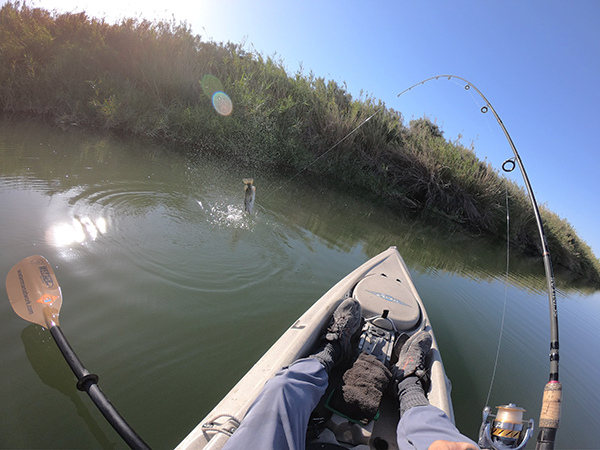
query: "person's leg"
420, 423
278, 418
420, 426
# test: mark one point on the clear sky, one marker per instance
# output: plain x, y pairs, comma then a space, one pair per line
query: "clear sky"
535, 61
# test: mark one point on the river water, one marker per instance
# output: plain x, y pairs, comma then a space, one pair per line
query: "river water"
171, 292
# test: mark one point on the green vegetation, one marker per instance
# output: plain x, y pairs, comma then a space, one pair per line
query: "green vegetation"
144, 78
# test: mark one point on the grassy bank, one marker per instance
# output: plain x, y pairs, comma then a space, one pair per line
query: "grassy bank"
150, 79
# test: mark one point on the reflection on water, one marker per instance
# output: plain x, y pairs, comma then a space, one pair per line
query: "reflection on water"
80, 230
171, 292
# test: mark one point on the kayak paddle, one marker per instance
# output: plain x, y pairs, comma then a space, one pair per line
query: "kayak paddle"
35, 296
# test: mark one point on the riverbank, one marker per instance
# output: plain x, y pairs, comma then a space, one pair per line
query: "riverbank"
161, 82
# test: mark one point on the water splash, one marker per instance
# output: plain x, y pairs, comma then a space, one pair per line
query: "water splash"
223, 214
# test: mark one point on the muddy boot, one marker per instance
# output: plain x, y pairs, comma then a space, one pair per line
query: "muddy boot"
410, 374
336, 345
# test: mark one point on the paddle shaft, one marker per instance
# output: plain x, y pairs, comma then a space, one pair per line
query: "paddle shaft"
88, 382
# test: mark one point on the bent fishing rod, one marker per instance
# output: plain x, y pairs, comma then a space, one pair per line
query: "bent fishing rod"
503, 434
35, 296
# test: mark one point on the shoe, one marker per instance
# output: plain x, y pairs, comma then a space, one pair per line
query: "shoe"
337, 344
344, 324
411, 360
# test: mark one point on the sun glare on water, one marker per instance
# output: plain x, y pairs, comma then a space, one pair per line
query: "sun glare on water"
80, 230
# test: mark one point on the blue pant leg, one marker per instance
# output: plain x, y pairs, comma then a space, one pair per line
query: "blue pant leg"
279, 416
420, 426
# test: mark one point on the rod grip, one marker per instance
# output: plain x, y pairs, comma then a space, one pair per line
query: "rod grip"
549, 415
551, 405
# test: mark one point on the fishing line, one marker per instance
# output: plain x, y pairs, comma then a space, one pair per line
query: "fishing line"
323, 155
506, 283
487, 401
282, 185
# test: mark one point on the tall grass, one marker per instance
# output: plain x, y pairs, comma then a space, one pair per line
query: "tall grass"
144, 78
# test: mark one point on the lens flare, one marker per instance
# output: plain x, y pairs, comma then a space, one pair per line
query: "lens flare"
210, 84
213, 89
222, 103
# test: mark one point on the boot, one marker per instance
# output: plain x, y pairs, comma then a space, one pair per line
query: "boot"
336, 345
410, 373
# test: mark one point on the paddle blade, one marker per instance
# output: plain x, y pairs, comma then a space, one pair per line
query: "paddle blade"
34, 292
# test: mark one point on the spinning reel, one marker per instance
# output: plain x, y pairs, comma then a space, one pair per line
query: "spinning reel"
506, 430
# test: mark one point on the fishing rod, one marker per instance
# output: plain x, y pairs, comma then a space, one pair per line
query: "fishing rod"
504, 433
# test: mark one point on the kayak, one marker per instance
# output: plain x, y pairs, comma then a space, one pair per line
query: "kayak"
392, 310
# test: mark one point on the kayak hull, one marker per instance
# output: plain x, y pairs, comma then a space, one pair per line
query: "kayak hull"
382, 282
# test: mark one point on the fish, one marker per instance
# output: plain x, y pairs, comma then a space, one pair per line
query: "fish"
250, 194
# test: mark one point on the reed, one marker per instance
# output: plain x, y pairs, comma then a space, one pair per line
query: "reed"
144, 78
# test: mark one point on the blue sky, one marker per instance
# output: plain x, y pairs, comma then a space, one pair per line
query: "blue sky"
535, 61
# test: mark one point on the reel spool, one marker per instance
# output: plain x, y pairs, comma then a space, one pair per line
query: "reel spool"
507, 430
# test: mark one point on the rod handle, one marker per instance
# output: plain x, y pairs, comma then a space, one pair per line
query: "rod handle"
545, 439
549, 415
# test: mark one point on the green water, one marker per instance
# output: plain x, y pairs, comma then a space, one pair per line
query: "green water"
171, 292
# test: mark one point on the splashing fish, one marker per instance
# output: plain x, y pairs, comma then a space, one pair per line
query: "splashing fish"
250, 195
